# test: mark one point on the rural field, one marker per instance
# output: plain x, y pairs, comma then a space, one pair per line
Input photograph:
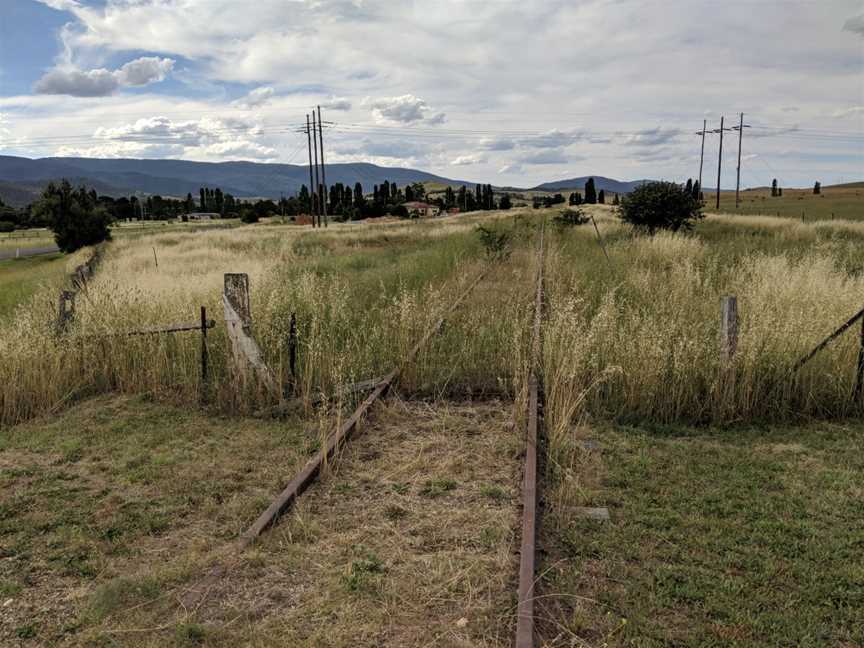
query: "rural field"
718, 477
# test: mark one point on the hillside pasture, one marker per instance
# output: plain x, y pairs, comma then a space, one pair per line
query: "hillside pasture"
840, 202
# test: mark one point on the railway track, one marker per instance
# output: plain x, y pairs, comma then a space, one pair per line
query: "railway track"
404, 477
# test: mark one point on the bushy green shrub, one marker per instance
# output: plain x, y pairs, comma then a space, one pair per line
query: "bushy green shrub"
657, 206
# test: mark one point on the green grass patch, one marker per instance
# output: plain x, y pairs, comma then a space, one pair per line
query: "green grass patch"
20, 278
743, 537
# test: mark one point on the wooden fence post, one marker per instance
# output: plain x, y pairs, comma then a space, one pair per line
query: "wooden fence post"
204, 358
66, 310
292, 347
238, 322
859, 377
728, 329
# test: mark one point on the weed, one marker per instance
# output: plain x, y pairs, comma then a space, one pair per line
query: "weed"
190, 634
494, 492
360, 571
495, 242
437, 487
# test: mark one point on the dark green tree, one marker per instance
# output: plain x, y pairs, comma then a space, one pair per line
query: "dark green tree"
590, 192
601, 197
817, 188
73, 215
774, 188
655, 206
505, 202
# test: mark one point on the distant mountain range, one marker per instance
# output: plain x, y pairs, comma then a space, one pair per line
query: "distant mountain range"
22, 179
578, 184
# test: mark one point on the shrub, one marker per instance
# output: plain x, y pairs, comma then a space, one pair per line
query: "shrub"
248, 215
571, 218
6, 226
660, 206
496, 243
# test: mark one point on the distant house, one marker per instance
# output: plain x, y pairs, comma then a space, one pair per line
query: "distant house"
421, 210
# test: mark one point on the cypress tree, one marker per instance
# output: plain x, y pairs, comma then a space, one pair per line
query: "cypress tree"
601, 198
203, 201
817, 188
774, 188
689, 187
358, 194
590, 192
615, 200
697, 191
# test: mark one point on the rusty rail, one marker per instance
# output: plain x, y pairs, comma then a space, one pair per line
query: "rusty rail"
310, 471
527, 550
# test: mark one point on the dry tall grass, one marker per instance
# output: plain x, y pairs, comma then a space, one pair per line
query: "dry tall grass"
362, 296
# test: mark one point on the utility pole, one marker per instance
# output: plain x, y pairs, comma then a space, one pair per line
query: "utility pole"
317, 194
702, 153
323, 177
720, 158
311, 186
740, 128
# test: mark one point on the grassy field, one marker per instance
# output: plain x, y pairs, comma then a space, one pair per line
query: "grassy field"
748, 536
834, 202
709, 470
20, 279
97, 514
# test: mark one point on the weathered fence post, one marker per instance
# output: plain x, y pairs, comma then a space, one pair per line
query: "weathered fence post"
238, 322
204, 358
66, 310
728, 329
292, 346
859, 377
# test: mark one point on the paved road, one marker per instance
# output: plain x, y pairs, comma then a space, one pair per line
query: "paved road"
28, 252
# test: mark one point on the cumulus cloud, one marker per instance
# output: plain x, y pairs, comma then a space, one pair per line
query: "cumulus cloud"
69, 80
497, 143
546, 156
652, 136
405, 109
145, 70
382, 148
256, 98
550, 139
468, 159
336, 103
511, 168
855, 25
160, 136
848, 112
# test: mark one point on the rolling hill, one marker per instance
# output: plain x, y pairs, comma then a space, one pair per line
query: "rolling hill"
578, 184
179, 177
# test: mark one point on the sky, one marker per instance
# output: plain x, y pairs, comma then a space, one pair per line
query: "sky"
499, 91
